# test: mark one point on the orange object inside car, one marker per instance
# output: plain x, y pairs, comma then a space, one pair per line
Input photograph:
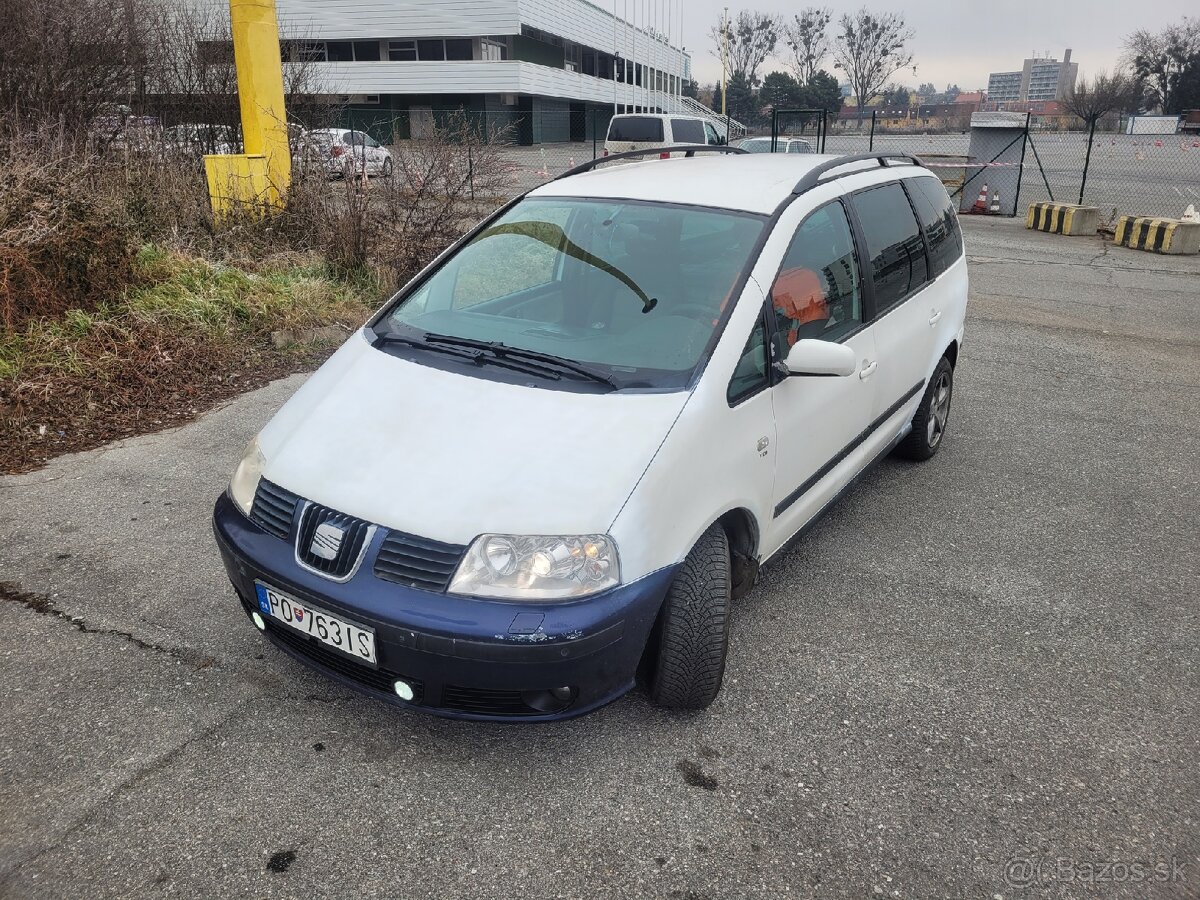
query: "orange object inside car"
799, 295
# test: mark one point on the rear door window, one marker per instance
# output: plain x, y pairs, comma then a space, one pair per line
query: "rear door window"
687, 131
894, 243
937, 215
636, 129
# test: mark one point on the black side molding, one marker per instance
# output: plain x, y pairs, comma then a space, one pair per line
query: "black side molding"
847, 450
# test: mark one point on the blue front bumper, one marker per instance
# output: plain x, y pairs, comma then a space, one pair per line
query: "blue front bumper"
466, 658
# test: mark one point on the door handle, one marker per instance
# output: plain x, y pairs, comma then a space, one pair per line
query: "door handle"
868, 369
937, 314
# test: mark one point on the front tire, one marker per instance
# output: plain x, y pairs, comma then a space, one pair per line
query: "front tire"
929, 422
687, 655
387, 168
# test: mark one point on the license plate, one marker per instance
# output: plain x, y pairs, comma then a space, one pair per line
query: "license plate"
353, 640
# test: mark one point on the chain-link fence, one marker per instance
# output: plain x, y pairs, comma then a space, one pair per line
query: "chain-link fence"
1125, 174
1151, 175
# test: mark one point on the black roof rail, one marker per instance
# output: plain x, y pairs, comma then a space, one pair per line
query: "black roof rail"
812, 178
688, 150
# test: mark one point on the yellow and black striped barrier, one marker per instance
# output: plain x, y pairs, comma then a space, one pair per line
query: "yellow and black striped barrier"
1063, 218
1158, 235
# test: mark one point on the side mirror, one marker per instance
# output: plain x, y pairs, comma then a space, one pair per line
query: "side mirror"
813, 357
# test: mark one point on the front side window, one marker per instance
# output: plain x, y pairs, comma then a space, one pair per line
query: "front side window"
639, 289
711, 134
799, 147
936, 212
817, 292
893, 241
750, 376
687, 131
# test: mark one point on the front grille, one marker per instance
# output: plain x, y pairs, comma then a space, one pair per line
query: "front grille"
417, 562
485, 702
274, 508
349, 546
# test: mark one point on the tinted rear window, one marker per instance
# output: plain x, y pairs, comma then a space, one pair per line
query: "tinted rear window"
687, 131
937, 214
894, 242
639, 129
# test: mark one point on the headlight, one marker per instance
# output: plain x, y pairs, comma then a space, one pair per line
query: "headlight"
542, 567
246, 476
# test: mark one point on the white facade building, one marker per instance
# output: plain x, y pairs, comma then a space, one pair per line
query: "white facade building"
551, 70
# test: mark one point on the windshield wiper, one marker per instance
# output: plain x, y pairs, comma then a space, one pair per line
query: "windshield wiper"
473, 352
520, 354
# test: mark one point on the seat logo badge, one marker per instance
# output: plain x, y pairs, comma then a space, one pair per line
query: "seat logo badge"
327, 541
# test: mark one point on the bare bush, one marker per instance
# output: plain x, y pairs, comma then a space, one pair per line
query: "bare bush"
396, 225
65, 62
64, 236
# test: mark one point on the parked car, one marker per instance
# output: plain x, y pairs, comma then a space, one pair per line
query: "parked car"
195, 140
782, 145
341, 151
645, 131
551, 462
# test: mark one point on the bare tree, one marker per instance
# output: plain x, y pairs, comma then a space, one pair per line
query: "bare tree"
752, 37
1093, 100
807, 36
64, 61
870, 49
1159, 59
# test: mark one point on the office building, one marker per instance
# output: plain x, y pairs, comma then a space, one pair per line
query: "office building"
1039, 79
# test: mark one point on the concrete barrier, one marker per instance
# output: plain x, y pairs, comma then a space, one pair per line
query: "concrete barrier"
1063, 218
1159, 235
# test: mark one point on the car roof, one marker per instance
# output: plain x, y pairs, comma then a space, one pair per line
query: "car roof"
749, 182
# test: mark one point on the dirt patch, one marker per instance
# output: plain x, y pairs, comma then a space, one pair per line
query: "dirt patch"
179, 379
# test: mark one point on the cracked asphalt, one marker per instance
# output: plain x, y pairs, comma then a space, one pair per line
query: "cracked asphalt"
977, 677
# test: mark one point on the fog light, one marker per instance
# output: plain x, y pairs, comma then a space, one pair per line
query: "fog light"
257, 619
561, 693
404, 690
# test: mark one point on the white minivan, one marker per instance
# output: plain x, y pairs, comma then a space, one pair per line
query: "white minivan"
647, 131
546, 468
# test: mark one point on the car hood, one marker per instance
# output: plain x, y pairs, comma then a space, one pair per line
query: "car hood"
449, 456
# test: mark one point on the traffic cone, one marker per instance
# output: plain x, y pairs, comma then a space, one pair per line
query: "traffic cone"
995, 202
981, 204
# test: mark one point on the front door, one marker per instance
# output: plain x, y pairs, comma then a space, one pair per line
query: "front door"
820, 421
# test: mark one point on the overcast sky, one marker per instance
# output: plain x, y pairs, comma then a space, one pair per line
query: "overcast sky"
963, 41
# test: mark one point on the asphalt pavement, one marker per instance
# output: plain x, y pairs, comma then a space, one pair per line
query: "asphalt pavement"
977, 677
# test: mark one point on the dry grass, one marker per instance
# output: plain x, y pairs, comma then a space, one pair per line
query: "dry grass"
188, 334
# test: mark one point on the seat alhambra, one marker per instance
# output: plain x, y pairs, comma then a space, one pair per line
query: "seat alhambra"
547, 467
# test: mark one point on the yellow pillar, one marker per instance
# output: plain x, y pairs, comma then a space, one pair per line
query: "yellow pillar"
259, 177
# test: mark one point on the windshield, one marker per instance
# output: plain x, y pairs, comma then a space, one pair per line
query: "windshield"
757, 145
634, 289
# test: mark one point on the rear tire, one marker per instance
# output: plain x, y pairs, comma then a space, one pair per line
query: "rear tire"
692, 634
929, 422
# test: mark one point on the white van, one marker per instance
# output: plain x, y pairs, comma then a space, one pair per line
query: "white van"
644, 131
548, 466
